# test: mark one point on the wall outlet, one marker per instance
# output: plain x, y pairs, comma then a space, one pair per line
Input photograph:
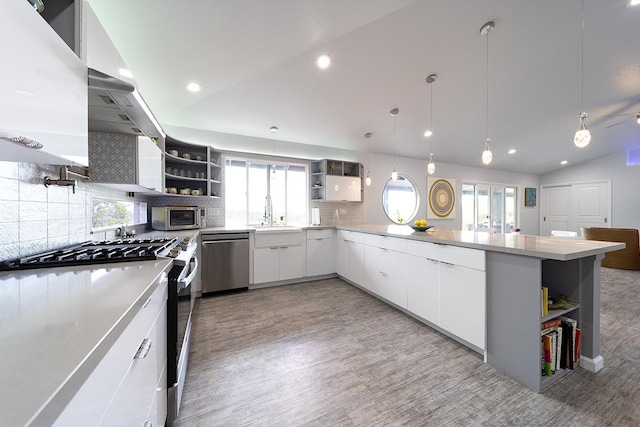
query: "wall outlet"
342, 211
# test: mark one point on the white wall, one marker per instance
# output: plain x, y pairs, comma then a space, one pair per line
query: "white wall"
382, 166
625, 196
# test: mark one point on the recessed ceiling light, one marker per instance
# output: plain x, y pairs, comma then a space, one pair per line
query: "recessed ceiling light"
126, 73
194, 87
323, 61
428, 133
512, 151
632, 3
564, 162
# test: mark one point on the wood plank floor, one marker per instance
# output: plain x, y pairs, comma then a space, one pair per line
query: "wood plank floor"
327, 354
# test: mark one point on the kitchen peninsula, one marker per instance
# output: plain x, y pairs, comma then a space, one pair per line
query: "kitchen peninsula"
482, 289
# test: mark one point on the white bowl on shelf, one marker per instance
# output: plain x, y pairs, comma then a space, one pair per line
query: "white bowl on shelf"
196, 192
173, 152
185, 191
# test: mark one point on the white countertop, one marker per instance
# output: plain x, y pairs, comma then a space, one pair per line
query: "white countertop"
558, 248
57, 323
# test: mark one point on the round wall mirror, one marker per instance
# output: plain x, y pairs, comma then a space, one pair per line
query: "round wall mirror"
401, 199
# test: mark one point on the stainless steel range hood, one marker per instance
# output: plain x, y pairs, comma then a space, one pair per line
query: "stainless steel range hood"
115, 106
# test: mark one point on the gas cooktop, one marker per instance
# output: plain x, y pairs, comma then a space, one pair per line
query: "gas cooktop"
95, 252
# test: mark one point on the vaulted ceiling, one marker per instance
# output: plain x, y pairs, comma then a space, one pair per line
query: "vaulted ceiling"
256, 62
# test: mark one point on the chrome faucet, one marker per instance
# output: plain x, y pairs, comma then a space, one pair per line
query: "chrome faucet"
268, 210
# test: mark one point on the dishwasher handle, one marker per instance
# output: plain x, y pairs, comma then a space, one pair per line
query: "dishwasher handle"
224, 237
215, 242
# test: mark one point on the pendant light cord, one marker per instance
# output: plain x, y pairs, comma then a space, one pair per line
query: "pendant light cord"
488, 83
582, 60
431, 119
394, 141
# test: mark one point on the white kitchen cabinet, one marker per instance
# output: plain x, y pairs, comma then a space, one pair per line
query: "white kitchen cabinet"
336, 180
278, 255
266, 264
423, 288
320, 252
447, 286
123, 390
150, 173
43, 91
386, 268
462, 303
343, 188
98, 51
135, 397
351, 256
342, 256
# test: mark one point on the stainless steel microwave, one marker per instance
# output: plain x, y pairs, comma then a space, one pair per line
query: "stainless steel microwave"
177, 218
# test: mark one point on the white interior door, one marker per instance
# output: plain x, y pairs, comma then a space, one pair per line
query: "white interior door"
591, 204
569, 207
555, 208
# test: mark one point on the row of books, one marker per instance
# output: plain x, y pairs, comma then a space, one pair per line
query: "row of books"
560, 347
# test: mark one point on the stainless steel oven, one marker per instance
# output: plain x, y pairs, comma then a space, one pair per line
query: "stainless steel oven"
180, 304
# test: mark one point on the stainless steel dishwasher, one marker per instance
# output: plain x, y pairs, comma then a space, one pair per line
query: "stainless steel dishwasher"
225, 262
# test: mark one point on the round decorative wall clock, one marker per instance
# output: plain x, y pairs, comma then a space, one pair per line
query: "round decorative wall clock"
442, 198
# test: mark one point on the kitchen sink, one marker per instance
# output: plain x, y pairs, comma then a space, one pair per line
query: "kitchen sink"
277, 229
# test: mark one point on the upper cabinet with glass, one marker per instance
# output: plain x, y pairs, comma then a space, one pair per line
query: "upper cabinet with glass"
191, 169
336, 180
401, 199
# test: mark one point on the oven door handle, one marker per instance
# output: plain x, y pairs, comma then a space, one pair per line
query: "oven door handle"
183, 282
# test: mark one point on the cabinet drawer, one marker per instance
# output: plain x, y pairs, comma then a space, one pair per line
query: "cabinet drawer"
386, 242
471, 258
326, 233
386, 261
387, 286
351, 236
267, 240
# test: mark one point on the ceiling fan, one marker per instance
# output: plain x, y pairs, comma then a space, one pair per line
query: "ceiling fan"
636, 117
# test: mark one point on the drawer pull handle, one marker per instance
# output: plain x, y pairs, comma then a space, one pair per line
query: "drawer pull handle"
447, 263
144, 349
383, 274
146, 303
384, 249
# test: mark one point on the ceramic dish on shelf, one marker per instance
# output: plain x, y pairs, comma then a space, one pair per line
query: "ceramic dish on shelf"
172, 190
173, 152
186, 156
185, 191
419, 228
196, 192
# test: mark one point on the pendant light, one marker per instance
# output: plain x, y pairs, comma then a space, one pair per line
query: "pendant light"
394, 174
431, 167
367, 181
487, 156
583, 136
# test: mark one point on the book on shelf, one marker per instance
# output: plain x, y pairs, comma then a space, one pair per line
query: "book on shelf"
546, 345
576, 346
545, 301
558, 347
551, 323
570, 327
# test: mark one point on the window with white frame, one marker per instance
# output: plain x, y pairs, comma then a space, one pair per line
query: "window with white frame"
489, 206
259, 192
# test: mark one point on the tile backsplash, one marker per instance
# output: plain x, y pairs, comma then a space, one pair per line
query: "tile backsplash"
34, 218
